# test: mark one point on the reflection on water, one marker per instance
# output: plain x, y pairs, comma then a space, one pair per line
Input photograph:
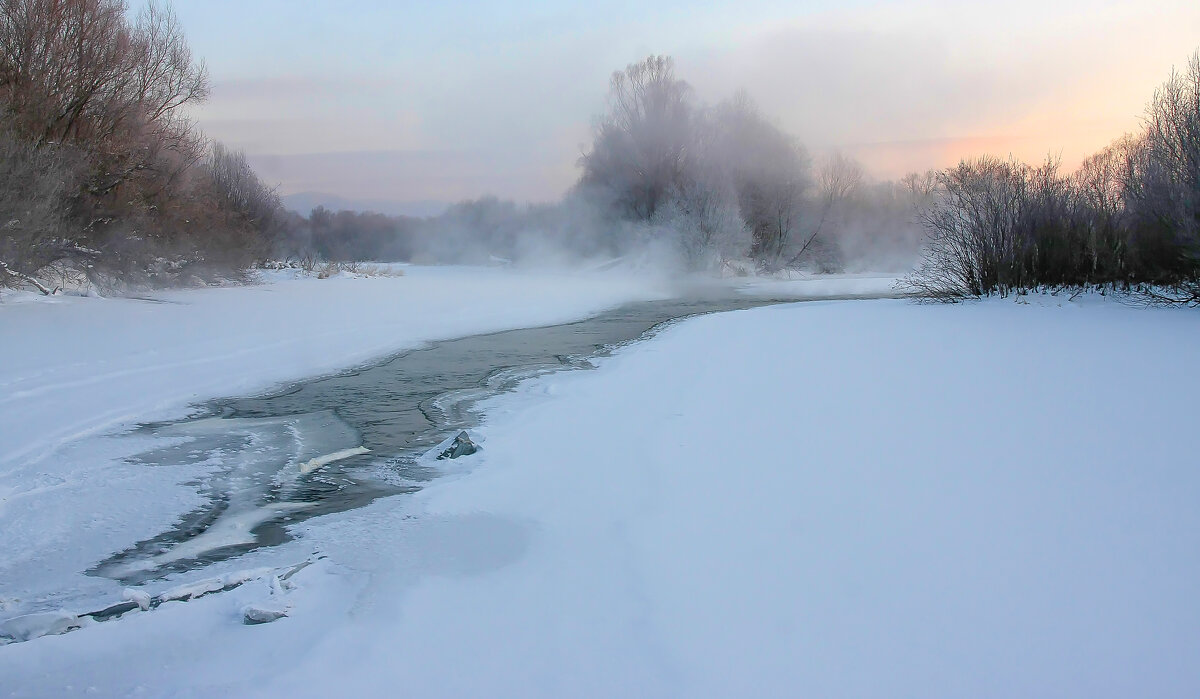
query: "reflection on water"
398, 409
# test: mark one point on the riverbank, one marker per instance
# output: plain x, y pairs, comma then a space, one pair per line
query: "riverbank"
75, 370
836, 499
85, 371
73, 366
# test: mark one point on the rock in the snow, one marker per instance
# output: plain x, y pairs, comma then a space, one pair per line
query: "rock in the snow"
262, 613
461, 446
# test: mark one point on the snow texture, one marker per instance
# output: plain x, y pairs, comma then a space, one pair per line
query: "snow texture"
75, 371
828, 499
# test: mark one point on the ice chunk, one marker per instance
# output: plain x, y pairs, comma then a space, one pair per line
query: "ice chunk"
316, 463
189, 591
231, 529
239, 577
139, 597
264, 612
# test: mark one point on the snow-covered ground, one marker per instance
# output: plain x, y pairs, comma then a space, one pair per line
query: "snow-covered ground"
74, 370
864, 498
70, 366
819, 285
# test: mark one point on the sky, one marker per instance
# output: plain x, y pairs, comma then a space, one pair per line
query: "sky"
419, 102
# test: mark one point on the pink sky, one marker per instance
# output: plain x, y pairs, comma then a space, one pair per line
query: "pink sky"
482, 98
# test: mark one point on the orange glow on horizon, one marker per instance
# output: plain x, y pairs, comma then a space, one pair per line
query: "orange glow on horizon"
1070, 131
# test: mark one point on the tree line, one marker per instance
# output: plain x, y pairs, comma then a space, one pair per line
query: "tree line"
1129, 217
702, 186
103, 176
722, 184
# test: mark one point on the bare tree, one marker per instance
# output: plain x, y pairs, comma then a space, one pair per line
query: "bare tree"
702, 208
1101, 186
165, 78
79, 76
241, 189
972, 230
1164, 186
838, 178
772, 175
64, 66
642, 142
36, 187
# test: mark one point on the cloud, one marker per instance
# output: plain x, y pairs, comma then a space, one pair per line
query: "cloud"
414, 175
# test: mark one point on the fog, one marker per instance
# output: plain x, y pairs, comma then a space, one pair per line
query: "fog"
667, 179
743, 139
404, 112
506, 92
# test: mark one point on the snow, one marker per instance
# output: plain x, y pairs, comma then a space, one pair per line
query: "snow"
139, 597
79, 366
799, 284
192, 590
868, 498
76, 370
30, 626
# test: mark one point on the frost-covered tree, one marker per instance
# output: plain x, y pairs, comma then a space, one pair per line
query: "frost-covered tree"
772, 175
702, 209
642, 142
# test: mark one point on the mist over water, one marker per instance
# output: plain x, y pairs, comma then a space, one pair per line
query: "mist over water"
670, 182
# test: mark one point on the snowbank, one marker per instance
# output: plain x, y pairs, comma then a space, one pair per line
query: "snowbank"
828, 499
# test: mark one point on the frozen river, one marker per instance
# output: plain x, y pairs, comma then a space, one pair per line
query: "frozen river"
273, 448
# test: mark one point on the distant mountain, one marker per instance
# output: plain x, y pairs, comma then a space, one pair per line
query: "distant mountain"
304, 202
